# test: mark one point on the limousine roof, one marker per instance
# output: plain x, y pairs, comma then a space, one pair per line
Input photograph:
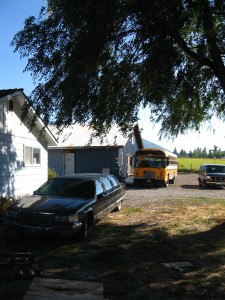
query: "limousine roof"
84, 176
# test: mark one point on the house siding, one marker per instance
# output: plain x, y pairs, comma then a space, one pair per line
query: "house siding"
86, 160
95, 160
125, 154
18, 179
55, 160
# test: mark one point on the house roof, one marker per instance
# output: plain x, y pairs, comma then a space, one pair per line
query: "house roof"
7, 92
82, 136
21, 98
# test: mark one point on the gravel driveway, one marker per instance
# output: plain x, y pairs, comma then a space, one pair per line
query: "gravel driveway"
186, 186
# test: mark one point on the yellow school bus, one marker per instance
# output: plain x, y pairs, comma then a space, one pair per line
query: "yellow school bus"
154, 166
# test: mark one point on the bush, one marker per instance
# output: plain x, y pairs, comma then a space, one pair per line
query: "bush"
4, 203
52, 173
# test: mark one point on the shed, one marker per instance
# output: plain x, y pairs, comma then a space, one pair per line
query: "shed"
23, 152
78, 152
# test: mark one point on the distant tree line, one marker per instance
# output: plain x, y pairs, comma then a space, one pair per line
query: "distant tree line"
216, 152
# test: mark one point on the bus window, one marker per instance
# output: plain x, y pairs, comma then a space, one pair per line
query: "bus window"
144, 164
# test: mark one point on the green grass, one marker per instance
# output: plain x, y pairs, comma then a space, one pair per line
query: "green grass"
193, 164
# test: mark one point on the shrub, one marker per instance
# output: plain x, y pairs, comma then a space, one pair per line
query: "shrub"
52, 173
4, 203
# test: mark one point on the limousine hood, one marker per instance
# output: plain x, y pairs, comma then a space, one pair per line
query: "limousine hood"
50, 204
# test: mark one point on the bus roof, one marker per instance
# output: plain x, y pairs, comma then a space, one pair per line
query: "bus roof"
155, 151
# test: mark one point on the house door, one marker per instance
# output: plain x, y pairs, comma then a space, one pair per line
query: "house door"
68, 163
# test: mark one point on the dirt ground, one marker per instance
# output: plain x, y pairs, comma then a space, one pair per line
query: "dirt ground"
185, 186
113, 241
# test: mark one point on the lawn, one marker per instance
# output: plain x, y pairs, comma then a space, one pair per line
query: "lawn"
128, 250
193, 164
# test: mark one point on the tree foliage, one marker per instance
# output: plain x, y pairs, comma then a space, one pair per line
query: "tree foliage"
96, 61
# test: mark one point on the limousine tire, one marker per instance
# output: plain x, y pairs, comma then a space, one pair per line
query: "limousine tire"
118, 208
83, 233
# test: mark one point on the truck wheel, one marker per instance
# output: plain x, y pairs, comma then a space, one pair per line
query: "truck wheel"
204, 184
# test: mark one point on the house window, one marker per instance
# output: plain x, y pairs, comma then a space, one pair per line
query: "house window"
32, 156
10, 105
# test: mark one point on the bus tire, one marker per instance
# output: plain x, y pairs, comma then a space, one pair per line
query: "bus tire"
172, 180
166, 184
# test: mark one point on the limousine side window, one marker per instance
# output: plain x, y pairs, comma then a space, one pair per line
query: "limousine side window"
99, 188
114, 181
107, 185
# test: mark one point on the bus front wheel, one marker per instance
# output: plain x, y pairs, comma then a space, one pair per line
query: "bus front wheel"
172, 180
166, 184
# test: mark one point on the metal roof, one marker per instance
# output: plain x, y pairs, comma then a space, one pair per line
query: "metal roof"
81, 136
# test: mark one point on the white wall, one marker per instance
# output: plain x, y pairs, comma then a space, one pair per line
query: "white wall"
16, 178
128, 151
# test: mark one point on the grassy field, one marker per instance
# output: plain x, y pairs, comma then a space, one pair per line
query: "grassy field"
193, 164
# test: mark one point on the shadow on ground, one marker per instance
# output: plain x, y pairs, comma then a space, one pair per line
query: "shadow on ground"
128, 259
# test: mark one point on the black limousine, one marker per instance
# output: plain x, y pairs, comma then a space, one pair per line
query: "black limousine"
67, 205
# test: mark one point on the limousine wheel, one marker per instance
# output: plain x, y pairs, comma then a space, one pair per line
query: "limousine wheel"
118, 208
82, 235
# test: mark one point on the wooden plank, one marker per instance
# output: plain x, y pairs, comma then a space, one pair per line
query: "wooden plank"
95, 287
31, 295
49, 288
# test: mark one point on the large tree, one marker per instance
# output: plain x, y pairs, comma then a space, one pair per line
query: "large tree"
96, 61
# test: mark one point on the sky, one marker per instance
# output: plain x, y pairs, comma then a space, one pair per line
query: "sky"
12, 16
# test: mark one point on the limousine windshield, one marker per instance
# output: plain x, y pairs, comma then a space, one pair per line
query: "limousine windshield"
68, 188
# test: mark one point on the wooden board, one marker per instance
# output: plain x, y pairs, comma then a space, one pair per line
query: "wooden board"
49, 288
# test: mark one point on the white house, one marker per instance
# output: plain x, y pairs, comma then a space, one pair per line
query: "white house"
23, 153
